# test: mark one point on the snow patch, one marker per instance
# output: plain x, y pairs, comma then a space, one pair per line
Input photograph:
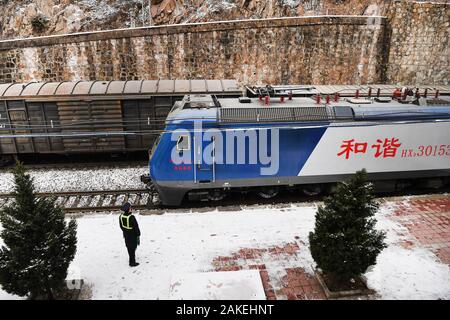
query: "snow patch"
7, 296
409, 274
400, 273
291, 3
225, 285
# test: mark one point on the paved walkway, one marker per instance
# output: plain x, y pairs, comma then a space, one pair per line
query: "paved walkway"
291, 283
427, 220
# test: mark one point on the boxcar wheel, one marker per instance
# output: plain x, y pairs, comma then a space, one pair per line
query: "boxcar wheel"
269, 192
216, 195
312, 190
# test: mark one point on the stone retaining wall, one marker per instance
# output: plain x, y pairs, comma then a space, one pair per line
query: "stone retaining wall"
328, 49
408, 46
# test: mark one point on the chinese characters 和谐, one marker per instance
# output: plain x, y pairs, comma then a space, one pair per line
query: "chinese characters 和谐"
386, 148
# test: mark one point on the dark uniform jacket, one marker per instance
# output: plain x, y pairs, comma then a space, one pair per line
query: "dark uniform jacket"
129, 227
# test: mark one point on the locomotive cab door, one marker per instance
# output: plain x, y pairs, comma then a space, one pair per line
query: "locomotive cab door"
204, 160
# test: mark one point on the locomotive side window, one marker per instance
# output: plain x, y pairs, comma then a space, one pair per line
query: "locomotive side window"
183, 143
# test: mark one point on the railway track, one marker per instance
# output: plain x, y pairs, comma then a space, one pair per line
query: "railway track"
140, 199
88, 201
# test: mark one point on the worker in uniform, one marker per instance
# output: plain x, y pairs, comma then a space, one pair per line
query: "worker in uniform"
131, 232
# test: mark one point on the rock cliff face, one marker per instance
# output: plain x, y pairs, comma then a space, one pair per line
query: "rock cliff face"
68, 16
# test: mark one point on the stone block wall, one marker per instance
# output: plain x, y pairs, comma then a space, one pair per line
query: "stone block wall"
321, 50
418, 34
408, 46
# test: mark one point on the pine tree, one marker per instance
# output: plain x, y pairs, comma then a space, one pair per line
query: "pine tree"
345, 242
38, 243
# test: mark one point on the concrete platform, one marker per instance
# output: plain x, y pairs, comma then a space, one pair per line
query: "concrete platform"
223, 285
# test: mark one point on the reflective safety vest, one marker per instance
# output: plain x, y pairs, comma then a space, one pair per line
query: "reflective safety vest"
124, 218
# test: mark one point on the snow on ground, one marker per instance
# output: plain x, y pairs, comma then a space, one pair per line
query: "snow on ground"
172, 244
409, 274
80, 180
400, 273
175, 243
6, 296
224, 285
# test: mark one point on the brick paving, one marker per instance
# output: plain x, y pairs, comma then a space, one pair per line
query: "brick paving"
277, 265
426, 218
428, 221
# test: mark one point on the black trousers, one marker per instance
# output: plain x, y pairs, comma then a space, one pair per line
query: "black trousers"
131, 247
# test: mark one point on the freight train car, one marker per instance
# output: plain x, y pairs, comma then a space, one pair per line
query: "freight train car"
91, 116
214, 146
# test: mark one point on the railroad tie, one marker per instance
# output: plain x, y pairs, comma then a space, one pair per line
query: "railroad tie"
77, 201
113, 200
137, 201
64, 201
89, 201
101, 200
127, 196
149, 200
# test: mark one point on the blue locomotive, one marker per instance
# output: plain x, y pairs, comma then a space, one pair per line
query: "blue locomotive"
211, 146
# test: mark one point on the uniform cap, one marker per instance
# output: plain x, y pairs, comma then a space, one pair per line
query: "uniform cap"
126, 207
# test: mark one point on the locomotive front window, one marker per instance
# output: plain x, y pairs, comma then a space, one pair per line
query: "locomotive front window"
183, 143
